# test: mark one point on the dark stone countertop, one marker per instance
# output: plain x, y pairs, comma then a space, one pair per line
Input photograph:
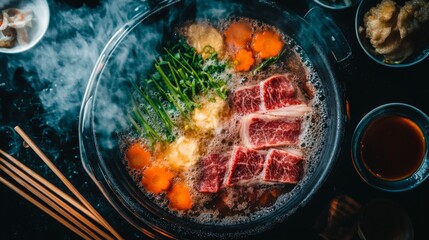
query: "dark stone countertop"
41, 91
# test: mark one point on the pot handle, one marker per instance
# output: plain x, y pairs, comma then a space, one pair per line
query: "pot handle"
330, 33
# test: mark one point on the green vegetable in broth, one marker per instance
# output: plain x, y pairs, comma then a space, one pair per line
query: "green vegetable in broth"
178, 77
269, 61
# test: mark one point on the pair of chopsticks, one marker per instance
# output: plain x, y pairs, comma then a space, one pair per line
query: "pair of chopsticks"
77, 215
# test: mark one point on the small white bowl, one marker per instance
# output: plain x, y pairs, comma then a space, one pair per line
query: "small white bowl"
40, 22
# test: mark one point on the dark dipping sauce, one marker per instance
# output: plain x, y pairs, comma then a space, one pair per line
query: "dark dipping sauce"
392, 147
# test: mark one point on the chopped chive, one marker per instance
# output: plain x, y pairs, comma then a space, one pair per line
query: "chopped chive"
177, 79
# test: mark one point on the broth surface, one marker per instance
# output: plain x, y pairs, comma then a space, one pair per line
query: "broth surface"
237, 204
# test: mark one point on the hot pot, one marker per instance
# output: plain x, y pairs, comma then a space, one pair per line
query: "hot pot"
104, 109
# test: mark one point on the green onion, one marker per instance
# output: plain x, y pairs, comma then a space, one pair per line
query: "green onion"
179, 76
269, 61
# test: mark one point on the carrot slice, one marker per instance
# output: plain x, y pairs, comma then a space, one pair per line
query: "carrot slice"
156, 179
238, 34
267, 44
138, 156
243, 60
180, 196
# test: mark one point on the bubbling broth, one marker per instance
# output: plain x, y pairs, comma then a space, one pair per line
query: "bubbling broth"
229, 122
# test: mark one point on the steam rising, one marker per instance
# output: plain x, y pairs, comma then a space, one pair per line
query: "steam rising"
4, 3
131, 61
59, 66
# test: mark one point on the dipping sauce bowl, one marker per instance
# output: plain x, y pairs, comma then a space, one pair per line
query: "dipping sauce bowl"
390, 147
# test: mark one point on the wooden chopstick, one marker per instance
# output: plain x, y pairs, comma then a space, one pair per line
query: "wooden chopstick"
49, 185
51, 196
66, 182
43, 208
50, 203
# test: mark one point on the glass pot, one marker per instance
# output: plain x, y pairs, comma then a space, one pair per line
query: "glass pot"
133, 48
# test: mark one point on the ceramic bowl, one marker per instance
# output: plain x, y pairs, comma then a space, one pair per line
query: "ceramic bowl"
39, 24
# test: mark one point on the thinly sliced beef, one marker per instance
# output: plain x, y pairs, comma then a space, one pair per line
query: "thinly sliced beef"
247, 99
261, 131
278, 92
245, 166
213, 169
283, 166
274, 93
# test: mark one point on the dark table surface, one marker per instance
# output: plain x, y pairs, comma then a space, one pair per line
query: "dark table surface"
41, 91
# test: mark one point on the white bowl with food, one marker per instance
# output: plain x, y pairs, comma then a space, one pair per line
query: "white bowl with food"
22, 24
394, 33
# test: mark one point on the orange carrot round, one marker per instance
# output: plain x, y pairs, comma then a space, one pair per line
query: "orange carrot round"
238, 34
243, 60
180, 196
138, 156
267, 44
156, 179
